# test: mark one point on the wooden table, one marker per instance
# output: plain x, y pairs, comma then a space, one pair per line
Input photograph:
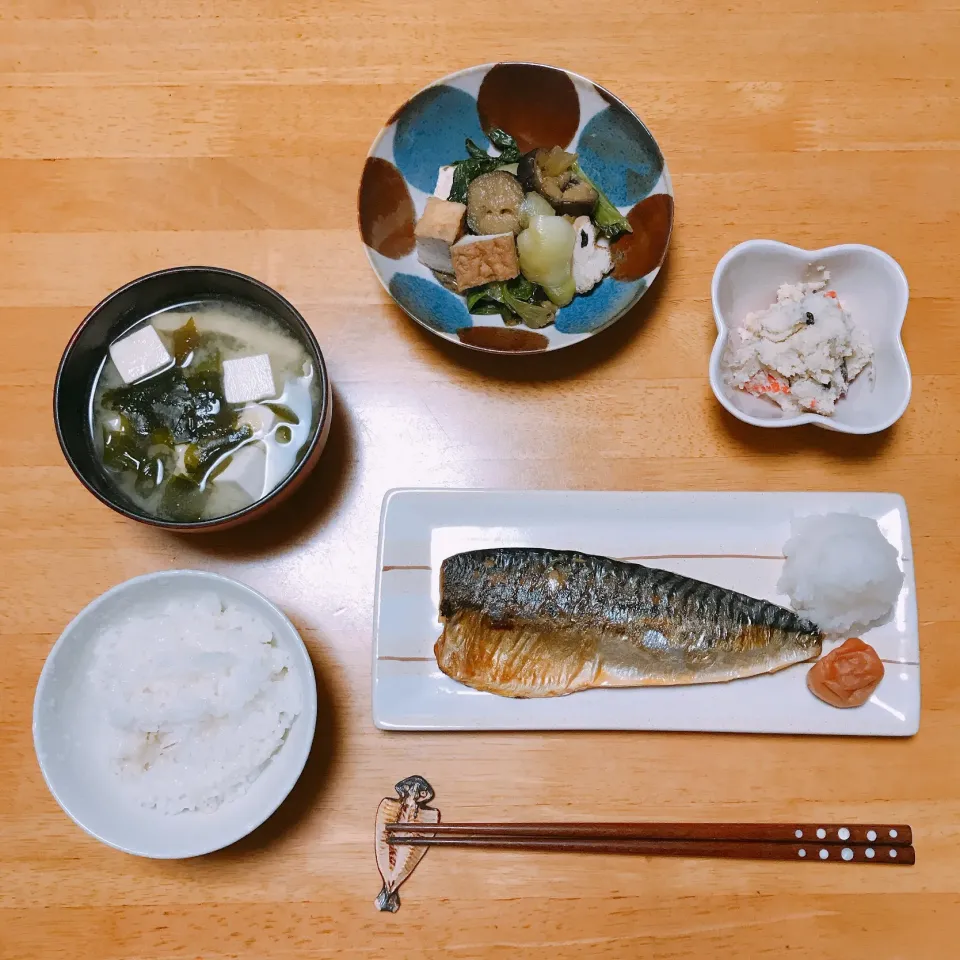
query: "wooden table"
136, 135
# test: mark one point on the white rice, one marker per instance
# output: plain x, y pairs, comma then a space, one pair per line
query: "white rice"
841, 573
198, 698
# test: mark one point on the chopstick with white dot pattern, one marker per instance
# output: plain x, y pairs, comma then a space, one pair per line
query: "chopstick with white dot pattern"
812, 842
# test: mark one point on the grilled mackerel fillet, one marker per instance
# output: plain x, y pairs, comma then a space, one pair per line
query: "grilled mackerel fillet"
523, 622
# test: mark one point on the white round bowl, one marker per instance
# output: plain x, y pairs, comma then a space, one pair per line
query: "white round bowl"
78, 775
871, 285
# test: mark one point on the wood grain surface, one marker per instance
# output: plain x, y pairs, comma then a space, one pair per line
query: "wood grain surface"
140, 134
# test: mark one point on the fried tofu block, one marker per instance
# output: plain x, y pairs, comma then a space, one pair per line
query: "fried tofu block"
479, 260
440, 227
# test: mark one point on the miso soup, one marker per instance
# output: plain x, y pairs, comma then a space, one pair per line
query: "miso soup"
201, 410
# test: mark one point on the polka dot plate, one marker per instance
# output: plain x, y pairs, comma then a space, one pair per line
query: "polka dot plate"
539, 106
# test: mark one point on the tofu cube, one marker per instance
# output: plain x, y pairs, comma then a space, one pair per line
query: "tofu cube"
248, 379
444, 182
246, 473
479, 260
441, 225
138, 355
259, 418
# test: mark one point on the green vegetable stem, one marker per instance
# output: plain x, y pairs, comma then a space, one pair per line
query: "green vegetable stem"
609, 220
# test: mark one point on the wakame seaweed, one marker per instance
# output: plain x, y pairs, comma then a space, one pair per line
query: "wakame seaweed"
210, 413
182, 405
122, 448
173, 407
160, 407
186, 341
182, 499
281, 411
153, 470
202, 454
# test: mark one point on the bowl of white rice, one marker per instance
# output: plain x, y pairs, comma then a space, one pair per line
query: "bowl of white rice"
174, 714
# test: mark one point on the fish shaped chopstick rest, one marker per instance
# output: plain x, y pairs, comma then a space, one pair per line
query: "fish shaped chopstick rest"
407, 826
396, 863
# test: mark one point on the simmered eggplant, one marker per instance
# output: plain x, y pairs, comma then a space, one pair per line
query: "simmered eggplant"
493, 203
552, 174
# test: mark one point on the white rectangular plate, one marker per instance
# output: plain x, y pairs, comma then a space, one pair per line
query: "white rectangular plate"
734, 540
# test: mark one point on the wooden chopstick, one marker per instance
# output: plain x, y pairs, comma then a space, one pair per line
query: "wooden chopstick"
718, 849
887, 835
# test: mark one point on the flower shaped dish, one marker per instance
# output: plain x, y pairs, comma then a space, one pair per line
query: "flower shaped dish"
872, 287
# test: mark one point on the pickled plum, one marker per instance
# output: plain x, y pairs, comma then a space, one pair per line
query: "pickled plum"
847, 676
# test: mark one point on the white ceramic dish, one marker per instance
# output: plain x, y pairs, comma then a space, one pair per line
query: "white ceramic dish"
873, 288
78, 774
731, 539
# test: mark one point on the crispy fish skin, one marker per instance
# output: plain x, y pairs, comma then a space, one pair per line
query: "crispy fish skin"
527, 622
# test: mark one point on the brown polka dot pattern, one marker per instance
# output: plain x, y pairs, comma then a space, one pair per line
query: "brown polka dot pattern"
607, 95
503, 339
636, 254
395, 116
386, 213
536, 105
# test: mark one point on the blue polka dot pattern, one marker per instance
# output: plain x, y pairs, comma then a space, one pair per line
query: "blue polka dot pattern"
618, 152
430, 132
589, 312
430, 303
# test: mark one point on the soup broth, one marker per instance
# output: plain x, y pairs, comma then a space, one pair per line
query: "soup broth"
222, 418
